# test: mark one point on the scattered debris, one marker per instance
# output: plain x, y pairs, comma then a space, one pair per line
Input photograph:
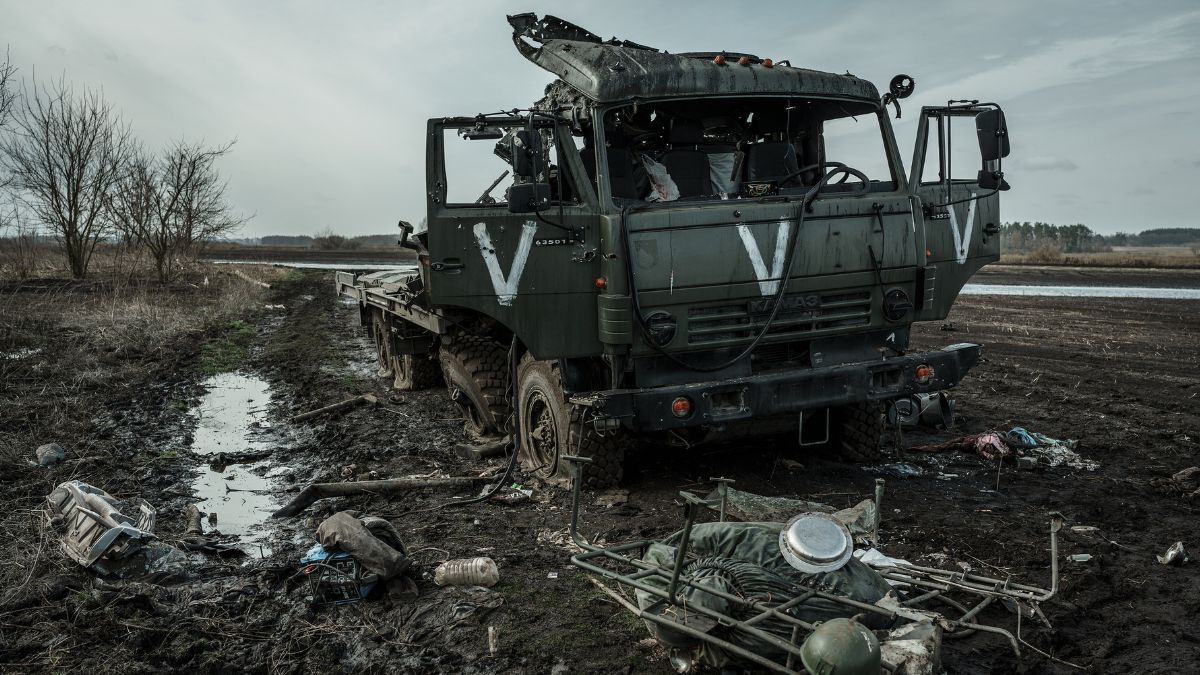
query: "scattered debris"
93, 525
374, 542
341, 405
318, 491
467, 572
1185, 482
352, 556
1176, 555
513, 494
611, 498
193, 520
1080, 557
988, 445
898, 469
749, 507
482, 450
998, 445
50, 454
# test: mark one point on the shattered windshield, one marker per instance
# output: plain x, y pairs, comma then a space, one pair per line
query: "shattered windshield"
739, 148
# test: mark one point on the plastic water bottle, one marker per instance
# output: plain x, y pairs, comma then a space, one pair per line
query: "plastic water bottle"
467, 572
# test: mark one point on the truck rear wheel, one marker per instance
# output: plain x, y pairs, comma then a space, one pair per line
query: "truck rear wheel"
552, 427
476, 373
415, 372
380, 334
858, 433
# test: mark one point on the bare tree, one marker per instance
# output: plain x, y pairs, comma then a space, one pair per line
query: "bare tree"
64, 154
205, 215
173, 204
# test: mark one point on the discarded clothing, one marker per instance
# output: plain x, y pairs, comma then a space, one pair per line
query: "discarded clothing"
988, 445
744, 559
373, 542
747, 506
997, 445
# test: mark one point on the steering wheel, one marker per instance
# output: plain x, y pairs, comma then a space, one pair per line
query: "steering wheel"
838, 168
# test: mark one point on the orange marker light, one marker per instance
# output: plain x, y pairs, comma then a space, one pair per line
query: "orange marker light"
681, 407
601, 283
719, 59
923, 374
928, 253
768, 63
744, 61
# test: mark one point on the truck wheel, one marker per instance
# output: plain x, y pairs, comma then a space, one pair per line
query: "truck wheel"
476, 373
415, 372
380, 332
859, 433
552, 427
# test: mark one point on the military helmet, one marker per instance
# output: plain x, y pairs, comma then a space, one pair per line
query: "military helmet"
841, 647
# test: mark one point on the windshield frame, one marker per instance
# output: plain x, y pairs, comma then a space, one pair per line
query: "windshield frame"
899, 178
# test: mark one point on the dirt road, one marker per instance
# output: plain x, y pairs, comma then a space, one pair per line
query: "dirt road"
1121, 376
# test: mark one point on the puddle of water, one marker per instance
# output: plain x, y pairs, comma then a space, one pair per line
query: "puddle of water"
231, 418
1084, 291
306, 265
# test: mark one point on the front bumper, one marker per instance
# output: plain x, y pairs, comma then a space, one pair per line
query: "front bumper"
781, 392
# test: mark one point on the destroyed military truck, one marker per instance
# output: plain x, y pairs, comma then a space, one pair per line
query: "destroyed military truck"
686, 247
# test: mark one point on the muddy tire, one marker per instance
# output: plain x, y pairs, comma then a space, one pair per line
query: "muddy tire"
415, 372
552, 427
381, 336
476, 374
858, 434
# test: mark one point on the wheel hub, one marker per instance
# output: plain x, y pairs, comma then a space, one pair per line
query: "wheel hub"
541, 433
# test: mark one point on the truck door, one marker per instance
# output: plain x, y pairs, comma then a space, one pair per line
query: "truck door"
517, 267
959, 196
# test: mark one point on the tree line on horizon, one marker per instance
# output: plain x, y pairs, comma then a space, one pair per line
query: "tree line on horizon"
72, 168
1023, 237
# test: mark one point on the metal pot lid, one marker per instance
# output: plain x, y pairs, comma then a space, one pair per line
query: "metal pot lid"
815, 542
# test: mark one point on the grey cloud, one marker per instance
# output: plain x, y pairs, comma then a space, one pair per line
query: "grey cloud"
329, 101
1046, 164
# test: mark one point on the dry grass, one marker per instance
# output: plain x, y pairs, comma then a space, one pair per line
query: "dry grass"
1174, 257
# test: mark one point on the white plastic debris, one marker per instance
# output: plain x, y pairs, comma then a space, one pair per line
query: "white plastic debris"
663, 187
1176, 555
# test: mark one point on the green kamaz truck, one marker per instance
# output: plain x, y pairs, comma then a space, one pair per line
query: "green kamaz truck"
686, 247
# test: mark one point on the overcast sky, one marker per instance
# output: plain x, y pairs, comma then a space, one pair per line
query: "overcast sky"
328, 101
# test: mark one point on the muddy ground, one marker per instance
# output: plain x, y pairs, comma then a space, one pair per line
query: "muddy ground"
1121, 376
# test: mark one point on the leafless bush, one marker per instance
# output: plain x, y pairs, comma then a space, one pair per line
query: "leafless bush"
326, 240
64, 155
173, 204
1046, 253
23, 251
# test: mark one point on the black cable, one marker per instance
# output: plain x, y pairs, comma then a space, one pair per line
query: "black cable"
514, 440
777, 301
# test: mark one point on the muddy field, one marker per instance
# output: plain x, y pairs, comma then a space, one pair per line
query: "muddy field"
1121, 376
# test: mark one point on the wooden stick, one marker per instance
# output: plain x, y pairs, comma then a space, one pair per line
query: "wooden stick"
341, 405
318, 491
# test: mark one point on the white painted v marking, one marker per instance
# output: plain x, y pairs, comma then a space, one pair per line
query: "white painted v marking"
505, 285
962, 240
768, 279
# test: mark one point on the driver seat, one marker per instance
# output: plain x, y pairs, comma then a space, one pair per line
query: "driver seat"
771, 160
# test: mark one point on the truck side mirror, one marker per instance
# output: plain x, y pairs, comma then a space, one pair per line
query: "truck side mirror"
527, 197
993, 134
526, 150
992, 179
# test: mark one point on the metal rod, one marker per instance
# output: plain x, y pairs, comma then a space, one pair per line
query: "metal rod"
878, 511
689, 511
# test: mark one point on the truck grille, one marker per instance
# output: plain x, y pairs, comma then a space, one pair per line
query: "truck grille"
742, 321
